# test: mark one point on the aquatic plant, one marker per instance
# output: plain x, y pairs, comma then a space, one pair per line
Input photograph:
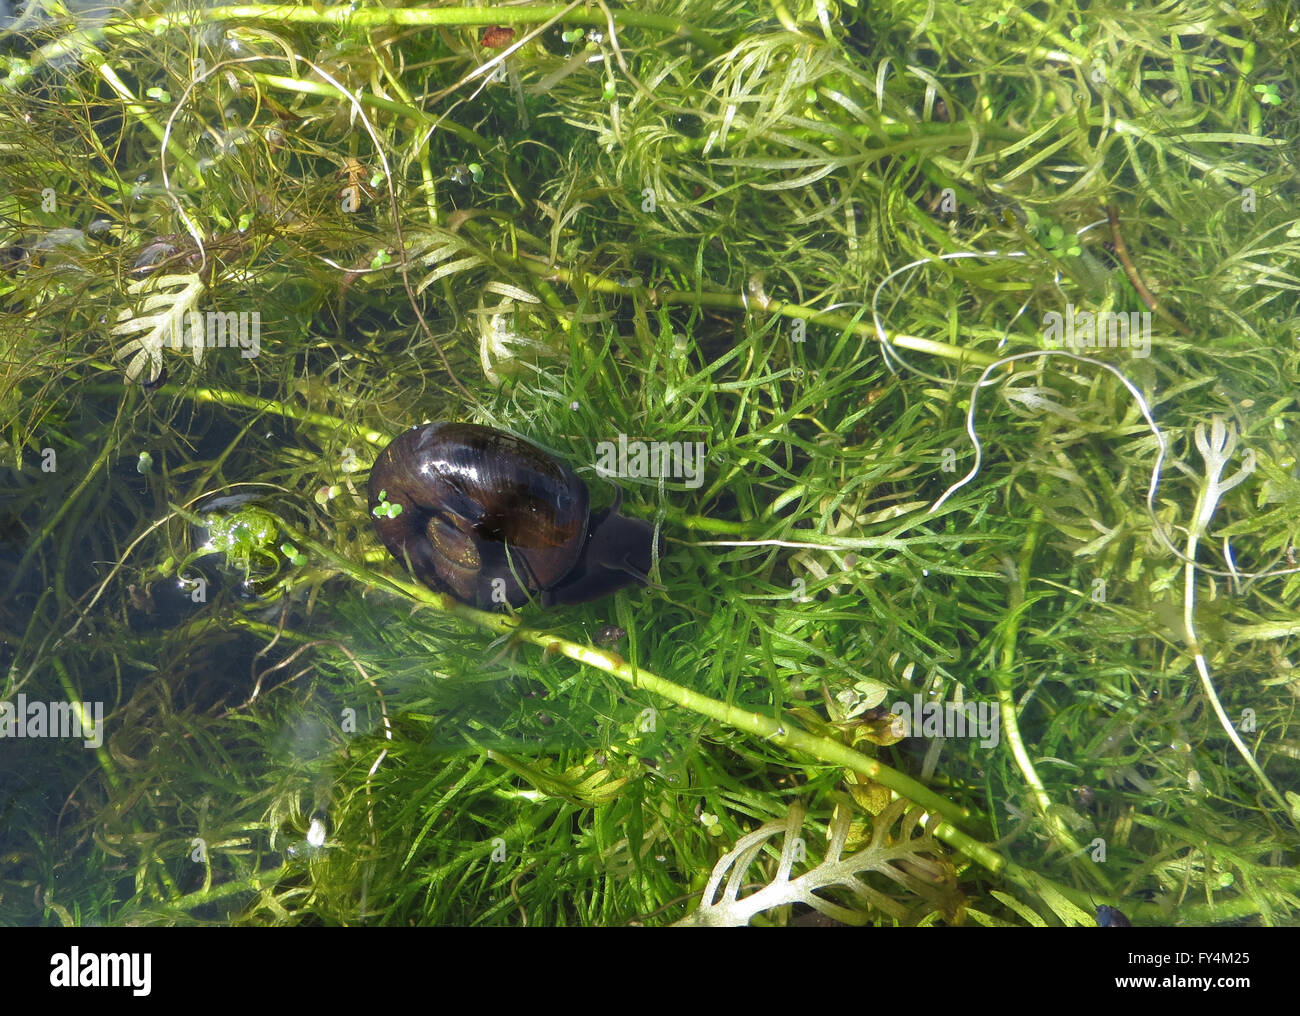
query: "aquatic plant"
985, 318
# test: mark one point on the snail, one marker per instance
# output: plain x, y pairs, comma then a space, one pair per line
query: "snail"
491, 519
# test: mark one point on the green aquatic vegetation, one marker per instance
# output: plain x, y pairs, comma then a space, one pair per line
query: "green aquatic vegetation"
174, 298
901, 860
984, 316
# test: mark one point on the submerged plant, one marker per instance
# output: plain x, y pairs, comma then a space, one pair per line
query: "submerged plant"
899, 855
874, 262
163, 318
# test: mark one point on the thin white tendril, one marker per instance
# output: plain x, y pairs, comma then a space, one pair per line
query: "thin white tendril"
1233, 573
887, 350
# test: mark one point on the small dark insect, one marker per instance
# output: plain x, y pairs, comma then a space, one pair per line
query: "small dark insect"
11, 256
1085, 797
153, 254
610, 635
497, 37
1109, 917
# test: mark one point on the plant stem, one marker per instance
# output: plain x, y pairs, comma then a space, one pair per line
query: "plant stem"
1005, 687
79, 43
735, 302
137, 110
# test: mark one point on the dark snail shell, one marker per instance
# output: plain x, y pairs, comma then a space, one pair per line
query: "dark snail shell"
492, 519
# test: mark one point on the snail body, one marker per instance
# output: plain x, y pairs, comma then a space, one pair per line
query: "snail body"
491, 519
